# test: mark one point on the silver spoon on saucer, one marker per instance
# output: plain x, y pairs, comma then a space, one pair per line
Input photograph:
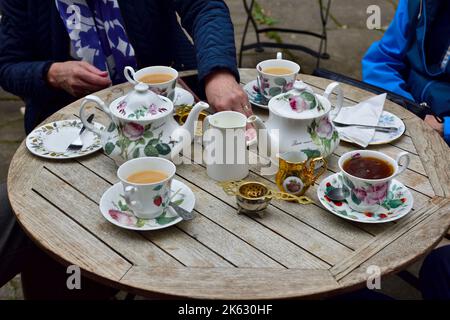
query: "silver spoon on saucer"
338, 194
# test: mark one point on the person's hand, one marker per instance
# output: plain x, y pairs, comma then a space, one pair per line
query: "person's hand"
78, 78
224, 93
432, 122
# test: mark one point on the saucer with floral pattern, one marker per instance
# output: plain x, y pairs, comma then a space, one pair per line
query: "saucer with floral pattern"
398, 203
115, 209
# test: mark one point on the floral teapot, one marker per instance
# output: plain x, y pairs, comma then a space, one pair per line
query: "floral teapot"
304, 122
142, 124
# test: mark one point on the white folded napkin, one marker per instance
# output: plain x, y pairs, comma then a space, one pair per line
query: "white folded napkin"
366, 112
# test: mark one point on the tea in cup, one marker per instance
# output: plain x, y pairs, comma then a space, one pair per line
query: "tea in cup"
161, 79
367, 175
146, 184
276, 76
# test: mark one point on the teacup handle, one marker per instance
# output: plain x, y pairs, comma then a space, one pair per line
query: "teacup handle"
126, 72
402, 162
279, 56
129, 193
321, 170
335, 86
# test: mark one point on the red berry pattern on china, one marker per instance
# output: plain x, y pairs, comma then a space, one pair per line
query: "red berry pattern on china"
157, 201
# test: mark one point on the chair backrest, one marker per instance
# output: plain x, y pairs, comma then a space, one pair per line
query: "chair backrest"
418, 109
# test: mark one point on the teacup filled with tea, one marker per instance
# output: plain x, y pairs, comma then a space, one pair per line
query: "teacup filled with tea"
146, 184
276, 76
161, 79
368, 174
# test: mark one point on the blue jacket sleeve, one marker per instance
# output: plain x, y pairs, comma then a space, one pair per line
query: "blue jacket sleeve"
383, 63
447, 130
20, 74
209, 24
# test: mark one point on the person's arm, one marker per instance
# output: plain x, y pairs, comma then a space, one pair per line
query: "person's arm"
19, 73
383, 64
23, 75
209, 24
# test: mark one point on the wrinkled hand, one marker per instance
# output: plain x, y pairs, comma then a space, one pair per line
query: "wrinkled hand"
432, 122
224, 93
78, 78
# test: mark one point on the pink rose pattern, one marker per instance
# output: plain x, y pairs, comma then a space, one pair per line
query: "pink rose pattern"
298, 104
325, 128
153, 110
121, 107
133, 131
288, 86
373, 194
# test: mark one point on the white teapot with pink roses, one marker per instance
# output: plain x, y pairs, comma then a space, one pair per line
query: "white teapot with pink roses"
142, 124
300, 120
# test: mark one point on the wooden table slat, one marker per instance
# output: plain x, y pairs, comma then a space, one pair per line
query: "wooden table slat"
223, 283
372, 247
398, 254
56, 232
435, 155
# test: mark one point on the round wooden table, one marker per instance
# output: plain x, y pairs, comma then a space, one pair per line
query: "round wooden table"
293, 251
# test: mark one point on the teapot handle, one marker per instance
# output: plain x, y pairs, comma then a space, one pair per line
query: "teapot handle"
126, 72
83, 116
335, 86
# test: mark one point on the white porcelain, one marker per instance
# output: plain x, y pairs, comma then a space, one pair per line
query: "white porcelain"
165, 89
142, 104
368, 194
397, 205
114, 208
52, 139
146, 200
183, 97
226, 154
155, 134
271, 85
301, 120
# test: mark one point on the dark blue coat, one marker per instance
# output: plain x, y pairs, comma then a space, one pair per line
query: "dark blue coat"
32, 37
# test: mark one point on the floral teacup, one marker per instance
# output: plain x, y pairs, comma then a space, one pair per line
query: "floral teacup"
147, 200
368, 194
165, 89
271, 85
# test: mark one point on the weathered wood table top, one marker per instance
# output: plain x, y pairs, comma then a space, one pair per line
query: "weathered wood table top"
294, 251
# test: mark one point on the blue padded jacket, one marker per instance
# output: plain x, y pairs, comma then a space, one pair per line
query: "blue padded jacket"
32, 37
412, 58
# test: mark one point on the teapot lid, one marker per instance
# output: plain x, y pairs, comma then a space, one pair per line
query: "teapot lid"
298, 103
142, 104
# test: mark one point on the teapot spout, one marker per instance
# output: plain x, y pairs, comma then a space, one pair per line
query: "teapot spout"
189, 125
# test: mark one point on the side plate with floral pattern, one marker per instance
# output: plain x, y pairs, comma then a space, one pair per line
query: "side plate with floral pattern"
398, 203
254, 96
387, 119
114, 208
52, 139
